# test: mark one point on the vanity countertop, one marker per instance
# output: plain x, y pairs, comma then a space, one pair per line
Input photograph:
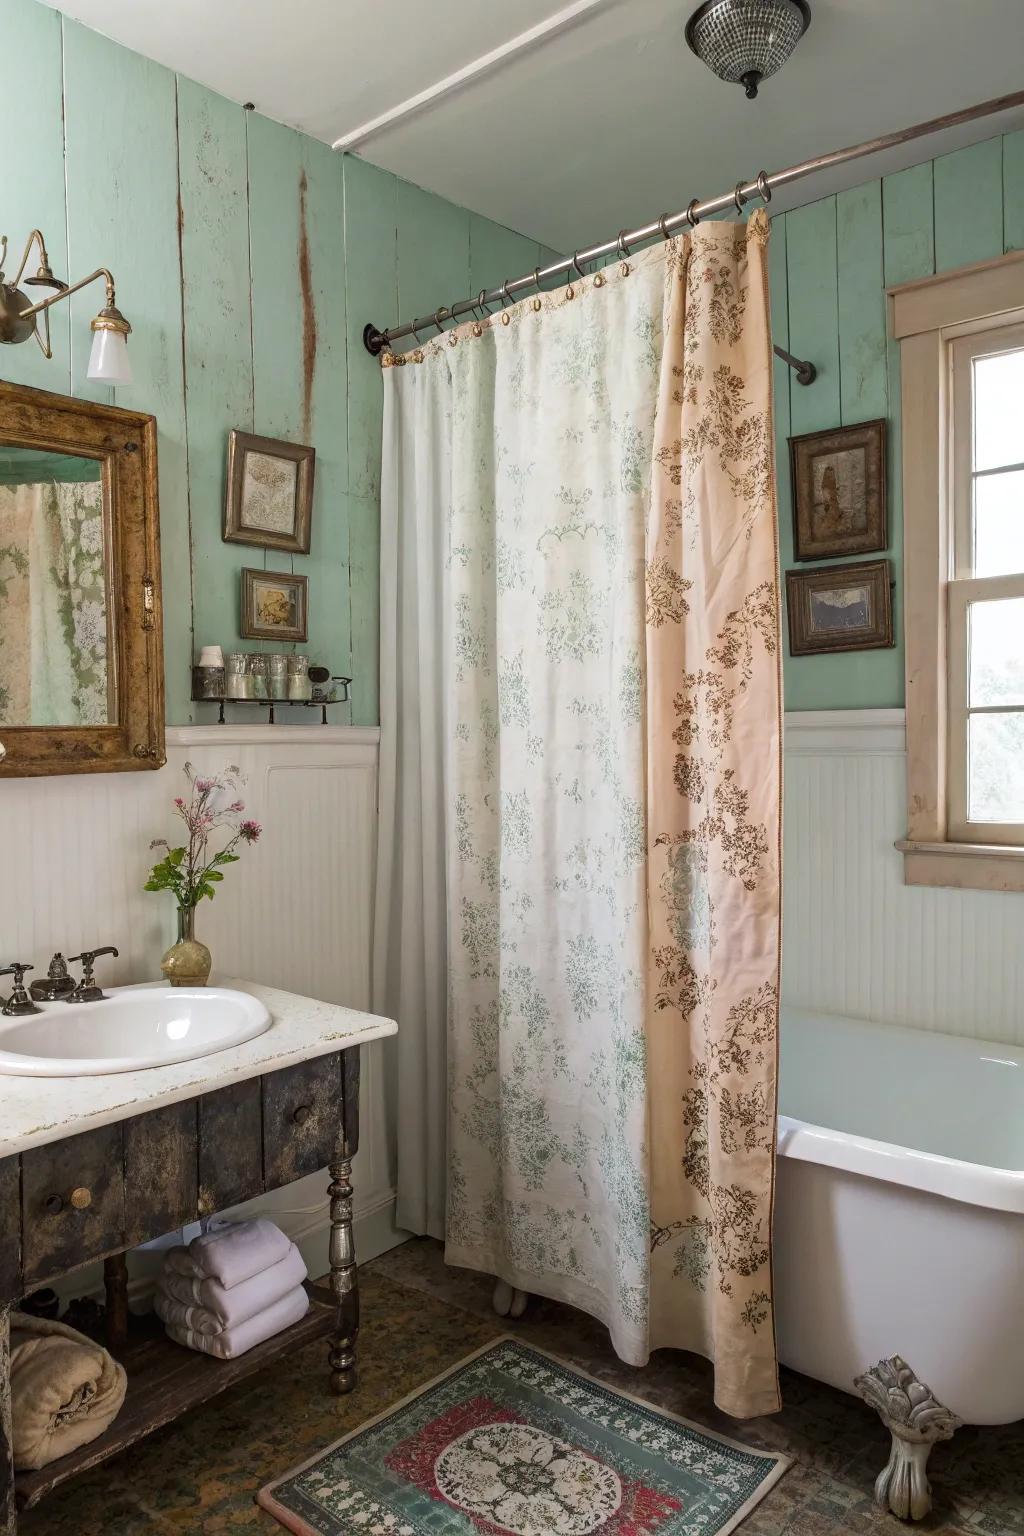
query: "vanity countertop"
36, 1110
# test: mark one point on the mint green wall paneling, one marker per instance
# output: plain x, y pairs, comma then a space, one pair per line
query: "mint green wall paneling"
496, 253
122, 212
322, 218
275, 174
218, 345
812, 264
32, 187
371, 286
908, 219
969, 205
862, 377
433, 252
364, 585
1013, 191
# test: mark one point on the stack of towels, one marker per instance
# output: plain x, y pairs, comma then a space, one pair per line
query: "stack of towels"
236, 1285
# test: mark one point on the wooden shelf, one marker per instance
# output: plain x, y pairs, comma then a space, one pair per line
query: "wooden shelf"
164, 1381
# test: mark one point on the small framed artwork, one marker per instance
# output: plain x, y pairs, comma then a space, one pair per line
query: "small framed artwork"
273, 606
839, 608
839, 491
269, 500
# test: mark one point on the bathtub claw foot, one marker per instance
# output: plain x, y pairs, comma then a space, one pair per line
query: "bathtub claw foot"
915, 1419
507, 1301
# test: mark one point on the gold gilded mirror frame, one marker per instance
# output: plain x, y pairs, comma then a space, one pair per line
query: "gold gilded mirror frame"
124, 444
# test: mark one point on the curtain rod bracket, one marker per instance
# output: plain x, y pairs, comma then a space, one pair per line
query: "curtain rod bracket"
373, 340
806, 373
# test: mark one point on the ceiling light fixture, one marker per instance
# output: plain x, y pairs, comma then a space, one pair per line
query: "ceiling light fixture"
745, 41
108, 360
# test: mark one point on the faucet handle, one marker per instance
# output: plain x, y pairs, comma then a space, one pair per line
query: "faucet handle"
19, 1002
87, 991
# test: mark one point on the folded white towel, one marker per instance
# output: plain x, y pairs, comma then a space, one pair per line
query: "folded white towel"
235, 1251
210, 1306
231, 1342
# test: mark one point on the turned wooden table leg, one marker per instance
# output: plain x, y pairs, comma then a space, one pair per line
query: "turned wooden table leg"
344, 1280
8, 1511
115, 1283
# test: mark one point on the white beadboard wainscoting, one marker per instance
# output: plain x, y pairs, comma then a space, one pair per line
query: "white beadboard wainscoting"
856, 940
295, 912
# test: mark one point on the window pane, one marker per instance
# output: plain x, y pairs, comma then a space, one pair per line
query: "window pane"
997, 652
996, 768
998, 419
999, 524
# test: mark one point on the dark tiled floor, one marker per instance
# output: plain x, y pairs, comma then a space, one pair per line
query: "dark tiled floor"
419, 1317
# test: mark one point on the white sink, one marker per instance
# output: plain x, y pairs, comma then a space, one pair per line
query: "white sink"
132, 1027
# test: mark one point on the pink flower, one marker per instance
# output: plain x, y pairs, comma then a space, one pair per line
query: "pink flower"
237, 807
205, 785
179, 802
249, 831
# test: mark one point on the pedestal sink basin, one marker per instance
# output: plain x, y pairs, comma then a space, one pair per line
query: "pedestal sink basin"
132, 1027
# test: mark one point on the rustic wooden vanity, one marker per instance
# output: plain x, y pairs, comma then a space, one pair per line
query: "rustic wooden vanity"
92, 1166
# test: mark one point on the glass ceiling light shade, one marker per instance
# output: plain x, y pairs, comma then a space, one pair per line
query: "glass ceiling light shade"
745, 41
108, 361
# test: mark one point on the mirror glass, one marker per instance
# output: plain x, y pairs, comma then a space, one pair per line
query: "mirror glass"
55, 635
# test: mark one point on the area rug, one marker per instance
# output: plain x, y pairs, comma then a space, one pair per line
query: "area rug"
513, 1442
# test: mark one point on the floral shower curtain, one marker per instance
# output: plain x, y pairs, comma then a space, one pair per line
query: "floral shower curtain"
603, 594
53, 639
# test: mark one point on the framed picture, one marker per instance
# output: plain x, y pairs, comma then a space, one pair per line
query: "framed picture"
269, 500
273, 606
839, 491
839, 608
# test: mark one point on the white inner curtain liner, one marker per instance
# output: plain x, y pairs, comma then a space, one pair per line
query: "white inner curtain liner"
577, 920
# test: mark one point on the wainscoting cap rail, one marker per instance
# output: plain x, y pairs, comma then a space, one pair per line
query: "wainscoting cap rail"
824, 732
243, 734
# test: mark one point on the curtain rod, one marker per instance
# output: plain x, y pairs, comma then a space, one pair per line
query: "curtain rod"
762, 186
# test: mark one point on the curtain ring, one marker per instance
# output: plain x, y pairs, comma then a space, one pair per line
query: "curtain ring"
691, 215
480, 299
624, 250
764, 190
576, 263
503, 294
437, 318
661, 225
737, 196
415, 332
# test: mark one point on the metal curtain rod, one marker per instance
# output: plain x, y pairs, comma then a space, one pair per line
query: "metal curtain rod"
762, 186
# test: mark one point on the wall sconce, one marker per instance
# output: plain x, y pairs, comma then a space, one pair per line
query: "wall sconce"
108, 360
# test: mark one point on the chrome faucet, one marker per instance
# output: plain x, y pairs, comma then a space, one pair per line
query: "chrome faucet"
19, 1003
87, 991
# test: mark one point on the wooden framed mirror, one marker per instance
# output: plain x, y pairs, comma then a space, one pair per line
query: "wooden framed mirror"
81, 631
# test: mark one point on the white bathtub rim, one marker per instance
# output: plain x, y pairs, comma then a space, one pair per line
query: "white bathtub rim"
995, 1189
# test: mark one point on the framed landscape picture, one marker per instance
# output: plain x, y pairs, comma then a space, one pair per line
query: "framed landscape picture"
269, 498
273, 606
840, 608
839, 491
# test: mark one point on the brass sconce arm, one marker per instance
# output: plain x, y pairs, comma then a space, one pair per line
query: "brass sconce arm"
66, 292
44, 275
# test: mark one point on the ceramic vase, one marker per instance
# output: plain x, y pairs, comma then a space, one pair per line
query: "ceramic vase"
187, 963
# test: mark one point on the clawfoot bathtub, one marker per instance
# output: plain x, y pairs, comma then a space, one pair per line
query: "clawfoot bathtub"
899, 1226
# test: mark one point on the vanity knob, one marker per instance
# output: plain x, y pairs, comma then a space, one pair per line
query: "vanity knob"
302, 1114
81, 1198
54, 1204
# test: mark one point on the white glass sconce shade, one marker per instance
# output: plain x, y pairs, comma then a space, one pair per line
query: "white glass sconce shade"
108, 361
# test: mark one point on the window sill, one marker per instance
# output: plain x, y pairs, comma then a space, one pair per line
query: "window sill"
964, 866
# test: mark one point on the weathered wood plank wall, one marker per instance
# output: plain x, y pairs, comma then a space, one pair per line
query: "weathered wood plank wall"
248, 257
830, 263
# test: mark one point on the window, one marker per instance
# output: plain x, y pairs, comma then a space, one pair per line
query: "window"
961, 339
985, 608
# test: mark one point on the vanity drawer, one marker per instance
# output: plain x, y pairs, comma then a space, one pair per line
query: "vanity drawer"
303, 1119
72, 1202
230, 1135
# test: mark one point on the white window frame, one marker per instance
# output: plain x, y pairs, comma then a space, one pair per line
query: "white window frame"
965, 588
929, 319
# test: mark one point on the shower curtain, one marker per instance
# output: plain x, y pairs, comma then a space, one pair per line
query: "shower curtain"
579, 871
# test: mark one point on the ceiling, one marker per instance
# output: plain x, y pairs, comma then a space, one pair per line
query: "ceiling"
602, 124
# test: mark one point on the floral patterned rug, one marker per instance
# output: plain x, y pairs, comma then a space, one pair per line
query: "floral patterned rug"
513, 1442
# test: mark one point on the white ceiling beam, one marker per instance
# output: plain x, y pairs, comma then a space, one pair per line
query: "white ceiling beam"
486, 64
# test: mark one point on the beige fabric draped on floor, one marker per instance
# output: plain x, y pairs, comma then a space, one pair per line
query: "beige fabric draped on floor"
579, 575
